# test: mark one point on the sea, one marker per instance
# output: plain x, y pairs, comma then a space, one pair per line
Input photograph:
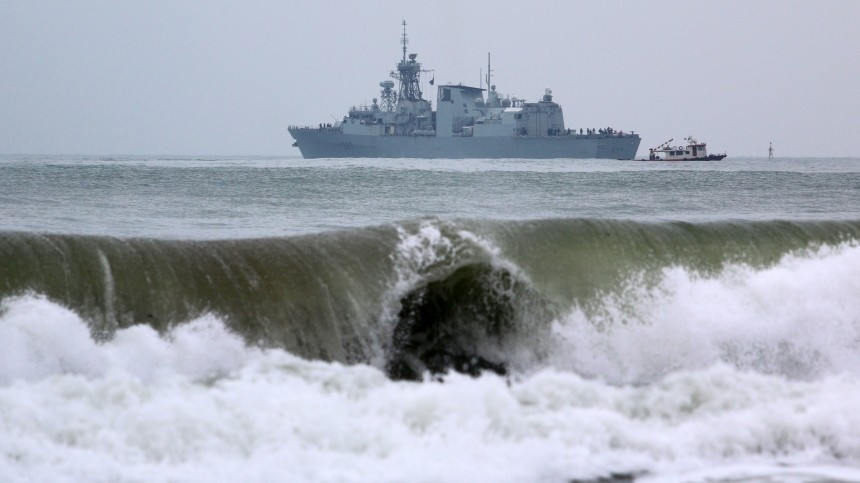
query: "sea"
259, 319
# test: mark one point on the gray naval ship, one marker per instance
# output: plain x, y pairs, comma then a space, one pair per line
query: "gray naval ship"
465, 124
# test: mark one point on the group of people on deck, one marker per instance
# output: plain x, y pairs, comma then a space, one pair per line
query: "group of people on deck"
607, 130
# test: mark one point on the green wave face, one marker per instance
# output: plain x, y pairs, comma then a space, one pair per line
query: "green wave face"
574, 261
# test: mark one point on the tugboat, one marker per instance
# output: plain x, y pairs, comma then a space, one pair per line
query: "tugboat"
694, 151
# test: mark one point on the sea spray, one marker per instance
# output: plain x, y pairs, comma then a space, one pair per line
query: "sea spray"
799, 318
42, 339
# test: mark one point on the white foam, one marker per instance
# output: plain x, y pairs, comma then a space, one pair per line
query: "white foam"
39, 338
436, 246
799, 318
281, 418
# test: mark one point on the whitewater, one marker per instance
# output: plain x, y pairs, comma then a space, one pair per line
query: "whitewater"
537, 321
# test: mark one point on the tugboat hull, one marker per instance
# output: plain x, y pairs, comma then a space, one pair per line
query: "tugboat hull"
710, 157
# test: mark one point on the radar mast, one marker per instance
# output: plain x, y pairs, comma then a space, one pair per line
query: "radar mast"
408, 73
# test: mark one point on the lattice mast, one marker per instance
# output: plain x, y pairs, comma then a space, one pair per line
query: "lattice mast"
408, 73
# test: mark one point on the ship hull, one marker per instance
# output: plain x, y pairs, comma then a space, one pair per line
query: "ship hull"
331, 143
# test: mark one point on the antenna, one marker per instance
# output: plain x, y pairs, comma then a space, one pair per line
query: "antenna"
404, 40
489, 72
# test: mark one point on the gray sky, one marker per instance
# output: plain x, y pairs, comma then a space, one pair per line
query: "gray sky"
217, 77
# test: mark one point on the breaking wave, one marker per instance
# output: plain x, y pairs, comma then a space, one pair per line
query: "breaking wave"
618, 300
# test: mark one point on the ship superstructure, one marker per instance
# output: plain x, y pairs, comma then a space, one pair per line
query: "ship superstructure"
465, 124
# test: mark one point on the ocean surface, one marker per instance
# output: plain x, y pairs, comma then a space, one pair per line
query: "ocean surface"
261, 319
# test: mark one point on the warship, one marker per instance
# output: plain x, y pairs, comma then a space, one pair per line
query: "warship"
465, 124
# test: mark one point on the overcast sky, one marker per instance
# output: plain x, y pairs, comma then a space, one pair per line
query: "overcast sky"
217, 77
